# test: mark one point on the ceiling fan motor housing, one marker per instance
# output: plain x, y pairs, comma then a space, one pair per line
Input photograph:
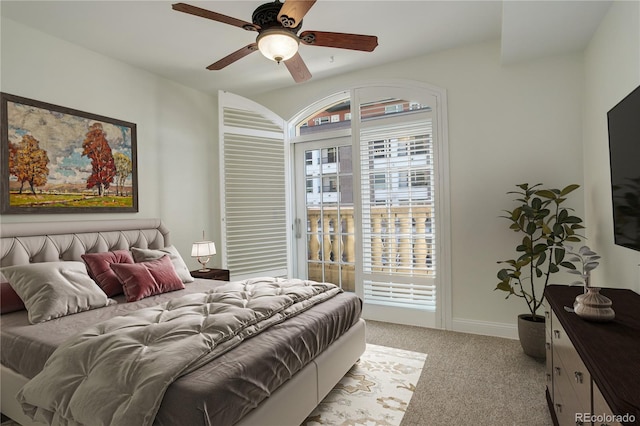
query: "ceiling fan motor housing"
266, 16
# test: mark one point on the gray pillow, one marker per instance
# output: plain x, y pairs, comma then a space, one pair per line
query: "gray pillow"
144, 255
54, 289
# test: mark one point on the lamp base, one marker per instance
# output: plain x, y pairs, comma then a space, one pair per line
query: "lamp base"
203, 261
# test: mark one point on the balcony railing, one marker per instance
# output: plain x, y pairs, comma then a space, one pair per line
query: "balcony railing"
399, 241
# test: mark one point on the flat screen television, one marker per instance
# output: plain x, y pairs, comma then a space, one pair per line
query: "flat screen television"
624, 154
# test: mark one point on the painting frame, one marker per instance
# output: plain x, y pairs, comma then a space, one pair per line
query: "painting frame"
89, 151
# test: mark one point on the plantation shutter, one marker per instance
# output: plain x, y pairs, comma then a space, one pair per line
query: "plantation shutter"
398, 220
254, 222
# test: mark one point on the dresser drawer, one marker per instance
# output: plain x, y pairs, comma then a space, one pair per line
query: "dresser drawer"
547, 317
548, 347
573, 366
602, 414
570, 378
570, 408
549, 366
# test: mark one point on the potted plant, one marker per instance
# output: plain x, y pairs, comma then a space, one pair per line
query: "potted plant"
591, 305
545, 225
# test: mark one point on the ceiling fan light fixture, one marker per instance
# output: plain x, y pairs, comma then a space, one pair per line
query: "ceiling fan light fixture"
278, 44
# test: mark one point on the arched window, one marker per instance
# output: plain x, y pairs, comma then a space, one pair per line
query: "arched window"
373, 193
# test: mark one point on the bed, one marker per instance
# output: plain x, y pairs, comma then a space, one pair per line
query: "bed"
274, 377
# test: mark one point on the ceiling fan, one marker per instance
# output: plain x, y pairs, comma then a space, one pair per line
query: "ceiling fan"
278, 25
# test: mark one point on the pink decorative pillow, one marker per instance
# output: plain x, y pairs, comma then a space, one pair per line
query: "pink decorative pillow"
99, 269
9, 299
144, 279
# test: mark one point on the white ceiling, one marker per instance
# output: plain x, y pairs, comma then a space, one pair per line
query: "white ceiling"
152, 36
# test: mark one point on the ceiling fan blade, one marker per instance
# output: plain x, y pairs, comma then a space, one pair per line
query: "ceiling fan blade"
229, 59
365, 43
298, 68
293, 11
204, 13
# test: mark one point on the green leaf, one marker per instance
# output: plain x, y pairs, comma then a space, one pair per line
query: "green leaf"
503, 275
542, 258
515, 214
559, 254
568, 189
562, 215
536, 203
546, 194
504, 286
539, 248
568, 265
553, 268
572, 219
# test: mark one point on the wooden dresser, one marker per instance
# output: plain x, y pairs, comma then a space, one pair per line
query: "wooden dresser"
593, 369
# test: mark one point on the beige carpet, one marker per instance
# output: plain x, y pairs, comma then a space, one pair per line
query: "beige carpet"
469, 379
376, 391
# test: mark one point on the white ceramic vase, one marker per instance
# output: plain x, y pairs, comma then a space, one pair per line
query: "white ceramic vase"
593, 306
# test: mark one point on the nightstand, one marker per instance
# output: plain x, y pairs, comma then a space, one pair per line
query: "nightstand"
212, 274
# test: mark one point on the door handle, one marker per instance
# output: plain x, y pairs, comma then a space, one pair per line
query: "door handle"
298, 230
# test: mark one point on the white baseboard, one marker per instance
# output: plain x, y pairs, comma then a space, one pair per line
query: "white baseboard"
486, 328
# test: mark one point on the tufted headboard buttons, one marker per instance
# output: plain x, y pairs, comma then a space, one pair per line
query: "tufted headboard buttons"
22, 243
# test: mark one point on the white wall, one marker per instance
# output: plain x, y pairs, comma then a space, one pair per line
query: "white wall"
177, 169
507, 125
612, 64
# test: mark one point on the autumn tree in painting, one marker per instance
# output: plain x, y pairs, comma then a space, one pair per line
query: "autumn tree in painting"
28, 163
124, 167
103, 167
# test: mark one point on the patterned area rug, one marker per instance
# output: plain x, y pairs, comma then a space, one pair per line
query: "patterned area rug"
376, 391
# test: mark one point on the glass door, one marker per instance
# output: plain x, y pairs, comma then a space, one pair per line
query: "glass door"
324, 224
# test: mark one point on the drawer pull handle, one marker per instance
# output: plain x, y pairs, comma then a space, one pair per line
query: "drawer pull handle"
548, 377
556, 334
559, 408
557, 370
546, 314
579, 377
548, 345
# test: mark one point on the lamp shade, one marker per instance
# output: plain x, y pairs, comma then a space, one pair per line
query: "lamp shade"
203, 249
278, 44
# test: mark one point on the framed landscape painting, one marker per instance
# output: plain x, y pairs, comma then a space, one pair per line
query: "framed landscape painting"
60, 160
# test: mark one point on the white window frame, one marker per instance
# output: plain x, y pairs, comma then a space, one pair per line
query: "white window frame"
441, 155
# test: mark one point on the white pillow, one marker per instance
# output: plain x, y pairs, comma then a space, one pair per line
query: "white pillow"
54, 289
144, 255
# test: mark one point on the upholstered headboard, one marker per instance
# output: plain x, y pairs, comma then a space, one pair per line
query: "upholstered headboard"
22, 243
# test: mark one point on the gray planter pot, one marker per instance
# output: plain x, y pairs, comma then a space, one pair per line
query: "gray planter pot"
531, 335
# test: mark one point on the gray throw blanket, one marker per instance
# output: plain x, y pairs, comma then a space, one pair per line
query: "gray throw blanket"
116, 372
